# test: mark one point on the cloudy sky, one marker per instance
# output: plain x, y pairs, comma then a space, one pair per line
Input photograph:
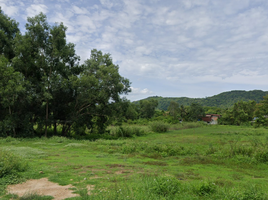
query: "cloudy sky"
169, 48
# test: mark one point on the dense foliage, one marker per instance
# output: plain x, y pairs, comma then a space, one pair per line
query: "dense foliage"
241, 112
42, 83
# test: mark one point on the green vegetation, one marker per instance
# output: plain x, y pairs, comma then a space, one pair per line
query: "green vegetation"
223, 100
241, 113
68, 121
189, 161
261, 113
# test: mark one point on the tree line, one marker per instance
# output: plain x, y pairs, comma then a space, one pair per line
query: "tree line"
43, 85
147, 109
241, 113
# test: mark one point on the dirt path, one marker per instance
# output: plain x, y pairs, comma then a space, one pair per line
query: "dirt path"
42, 187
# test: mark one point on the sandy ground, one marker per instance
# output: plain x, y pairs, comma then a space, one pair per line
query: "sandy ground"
42, 187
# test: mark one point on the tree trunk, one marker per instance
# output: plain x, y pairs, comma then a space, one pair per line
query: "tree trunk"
13, 129
63, 130
55, 128
46, 119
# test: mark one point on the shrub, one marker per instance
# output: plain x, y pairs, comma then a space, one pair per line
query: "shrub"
10, 164
159, 126
128, 131
206, 188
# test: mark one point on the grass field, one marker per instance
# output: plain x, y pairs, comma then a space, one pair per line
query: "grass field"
210, 162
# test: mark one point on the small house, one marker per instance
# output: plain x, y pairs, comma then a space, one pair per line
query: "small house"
211, 118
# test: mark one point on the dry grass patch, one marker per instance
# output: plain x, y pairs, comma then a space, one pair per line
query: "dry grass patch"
42, 187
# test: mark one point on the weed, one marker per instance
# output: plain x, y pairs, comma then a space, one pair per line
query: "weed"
205, 189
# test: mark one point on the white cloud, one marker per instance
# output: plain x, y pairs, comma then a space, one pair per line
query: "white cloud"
38, 1
63, 1
9, 8
174, 42
107, 3
35, 9
138, 91
80, 11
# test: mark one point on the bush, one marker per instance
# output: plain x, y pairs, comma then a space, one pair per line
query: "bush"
10, 164
128, 131
159, 126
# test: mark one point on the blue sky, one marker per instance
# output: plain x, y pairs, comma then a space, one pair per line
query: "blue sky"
169, 48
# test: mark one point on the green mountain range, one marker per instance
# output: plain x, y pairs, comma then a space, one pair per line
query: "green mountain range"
222, 100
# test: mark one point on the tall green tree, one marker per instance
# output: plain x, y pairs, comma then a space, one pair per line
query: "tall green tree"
241, 112
46, 60
183, 112
147, 108
261, 113
98, 90
56, 90
8, 31
12, 90
174, 109
196, 112
132, 112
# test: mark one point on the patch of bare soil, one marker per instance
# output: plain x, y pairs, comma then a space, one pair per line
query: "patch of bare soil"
42, 187
89, 188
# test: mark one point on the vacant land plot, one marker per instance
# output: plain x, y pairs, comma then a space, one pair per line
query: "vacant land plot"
212, 162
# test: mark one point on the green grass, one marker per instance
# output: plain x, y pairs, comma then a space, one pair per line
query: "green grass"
198, 162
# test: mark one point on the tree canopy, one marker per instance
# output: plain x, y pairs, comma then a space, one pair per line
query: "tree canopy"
42, 82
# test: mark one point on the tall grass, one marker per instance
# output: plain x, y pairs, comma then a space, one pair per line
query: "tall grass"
170, 188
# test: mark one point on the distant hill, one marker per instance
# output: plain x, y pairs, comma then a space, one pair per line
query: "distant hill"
222, 100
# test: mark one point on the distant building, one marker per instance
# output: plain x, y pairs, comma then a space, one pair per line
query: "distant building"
211, 118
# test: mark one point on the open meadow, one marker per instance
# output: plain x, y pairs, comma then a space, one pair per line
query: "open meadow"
186, 162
